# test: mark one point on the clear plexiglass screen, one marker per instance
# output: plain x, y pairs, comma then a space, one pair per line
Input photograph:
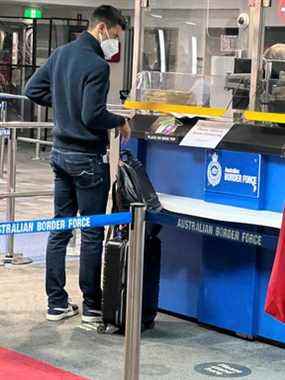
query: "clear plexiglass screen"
199, 53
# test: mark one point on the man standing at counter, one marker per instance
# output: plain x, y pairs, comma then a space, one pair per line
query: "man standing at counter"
75, 82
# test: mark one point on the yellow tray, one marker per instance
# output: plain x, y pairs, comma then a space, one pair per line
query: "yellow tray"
265, 116
175, 108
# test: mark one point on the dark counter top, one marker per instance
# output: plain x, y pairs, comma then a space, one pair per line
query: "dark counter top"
256, 139
242, 137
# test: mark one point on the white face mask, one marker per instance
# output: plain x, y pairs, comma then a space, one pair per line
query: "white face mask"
110, 47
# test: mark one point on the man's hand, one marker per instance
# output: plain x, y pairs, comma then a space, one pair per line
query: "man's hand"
125, 132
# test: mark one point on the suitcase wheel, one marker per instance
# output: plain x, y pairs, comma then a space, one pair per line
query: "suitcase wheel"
101, 329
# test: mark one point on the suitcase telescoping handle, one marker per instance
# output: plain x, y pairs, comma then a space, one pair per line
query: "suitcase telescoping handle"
126, 154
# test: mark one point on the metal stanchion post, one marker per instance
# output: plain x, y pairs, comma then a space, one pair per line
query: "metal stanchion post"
134, 293
114, 157
3, 118
2, 155
11, 184
11, 257
38, 146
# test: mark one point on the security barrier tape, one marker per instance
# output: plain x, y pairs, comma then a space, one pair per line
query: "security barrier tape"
63, 224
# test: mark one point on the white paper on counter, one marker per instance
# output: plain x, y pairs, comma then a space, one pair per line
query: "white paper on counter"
207, 134
192, 116
182, 115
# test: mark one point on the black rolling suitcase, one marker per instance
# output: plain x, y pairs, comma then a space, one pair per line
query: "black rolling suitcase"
115, 283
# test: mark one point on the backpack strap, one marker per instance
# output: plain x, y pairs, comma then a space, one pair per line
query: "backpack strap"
114, 197
112, 229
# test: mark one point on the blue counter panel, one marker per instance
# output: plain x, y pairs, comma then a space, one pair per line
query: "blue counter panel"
181, 171
234, 178
219, 282
133, 146
227, 293
180, 272
176, 171
266, 326
274, 191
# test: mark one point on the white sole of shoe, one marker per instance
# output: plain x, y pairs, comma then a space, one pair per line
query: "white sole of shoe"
86, 319
60, 317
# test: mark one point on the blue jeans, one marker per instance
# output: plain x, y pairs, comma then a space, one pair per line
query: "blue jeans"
82, 183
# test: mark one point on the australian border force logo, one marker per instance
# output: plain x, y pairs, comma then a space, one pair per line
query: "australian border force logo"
214, 171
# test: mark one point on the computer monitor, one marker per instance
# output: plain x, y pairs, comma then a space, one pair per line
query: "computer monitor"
242, 66
277, 67
241, 97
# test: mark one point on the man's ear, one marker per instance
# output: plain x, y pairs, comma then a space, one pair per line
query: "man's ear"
101, 27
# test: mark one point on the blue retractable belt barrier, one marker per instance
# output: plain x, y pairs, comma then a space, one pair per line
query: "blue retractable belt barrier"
245, 234
4, 96
62, 224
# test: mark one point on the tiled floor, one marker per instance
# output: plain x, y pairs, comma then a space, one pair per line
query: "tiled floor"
170, 352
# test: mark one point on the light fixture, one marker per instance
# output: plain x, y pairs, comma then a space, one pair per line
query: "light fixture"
190, 23
194, 55
33, 13
161, 38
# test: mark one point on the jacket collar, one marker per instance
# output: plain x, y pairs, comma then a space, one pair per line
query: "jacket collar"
88, 39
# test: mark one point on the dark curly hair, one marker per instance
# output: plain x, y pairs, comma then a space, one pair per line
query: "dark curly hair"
111, 16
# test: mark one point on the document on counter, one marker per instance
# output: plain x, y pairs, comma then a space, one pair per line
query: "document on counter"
207, 134
192, 116
182, 115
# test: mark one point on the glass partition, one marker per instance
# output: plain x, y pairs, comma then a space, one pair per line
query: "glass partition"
179, 93
188, 51
270, 104
199, 55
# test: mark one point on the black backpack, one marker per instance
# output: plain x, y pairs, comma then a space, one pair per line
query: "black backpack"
133, 185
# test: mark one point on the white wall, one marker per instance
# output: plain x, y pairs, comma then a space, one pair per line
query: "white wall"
271, 16
128, 4
195, 4
221, 6
117, 76
125, 4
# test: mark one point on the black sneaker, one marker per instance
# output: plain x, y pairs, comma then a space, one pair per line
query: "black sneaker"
91, 315
57, 314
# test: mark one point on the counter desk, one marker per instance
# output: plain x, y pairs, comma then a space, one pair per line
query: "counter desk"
224, 212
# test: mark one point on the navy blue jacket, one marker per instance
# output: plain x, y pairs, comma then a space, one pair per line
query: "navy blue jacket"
75, 81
